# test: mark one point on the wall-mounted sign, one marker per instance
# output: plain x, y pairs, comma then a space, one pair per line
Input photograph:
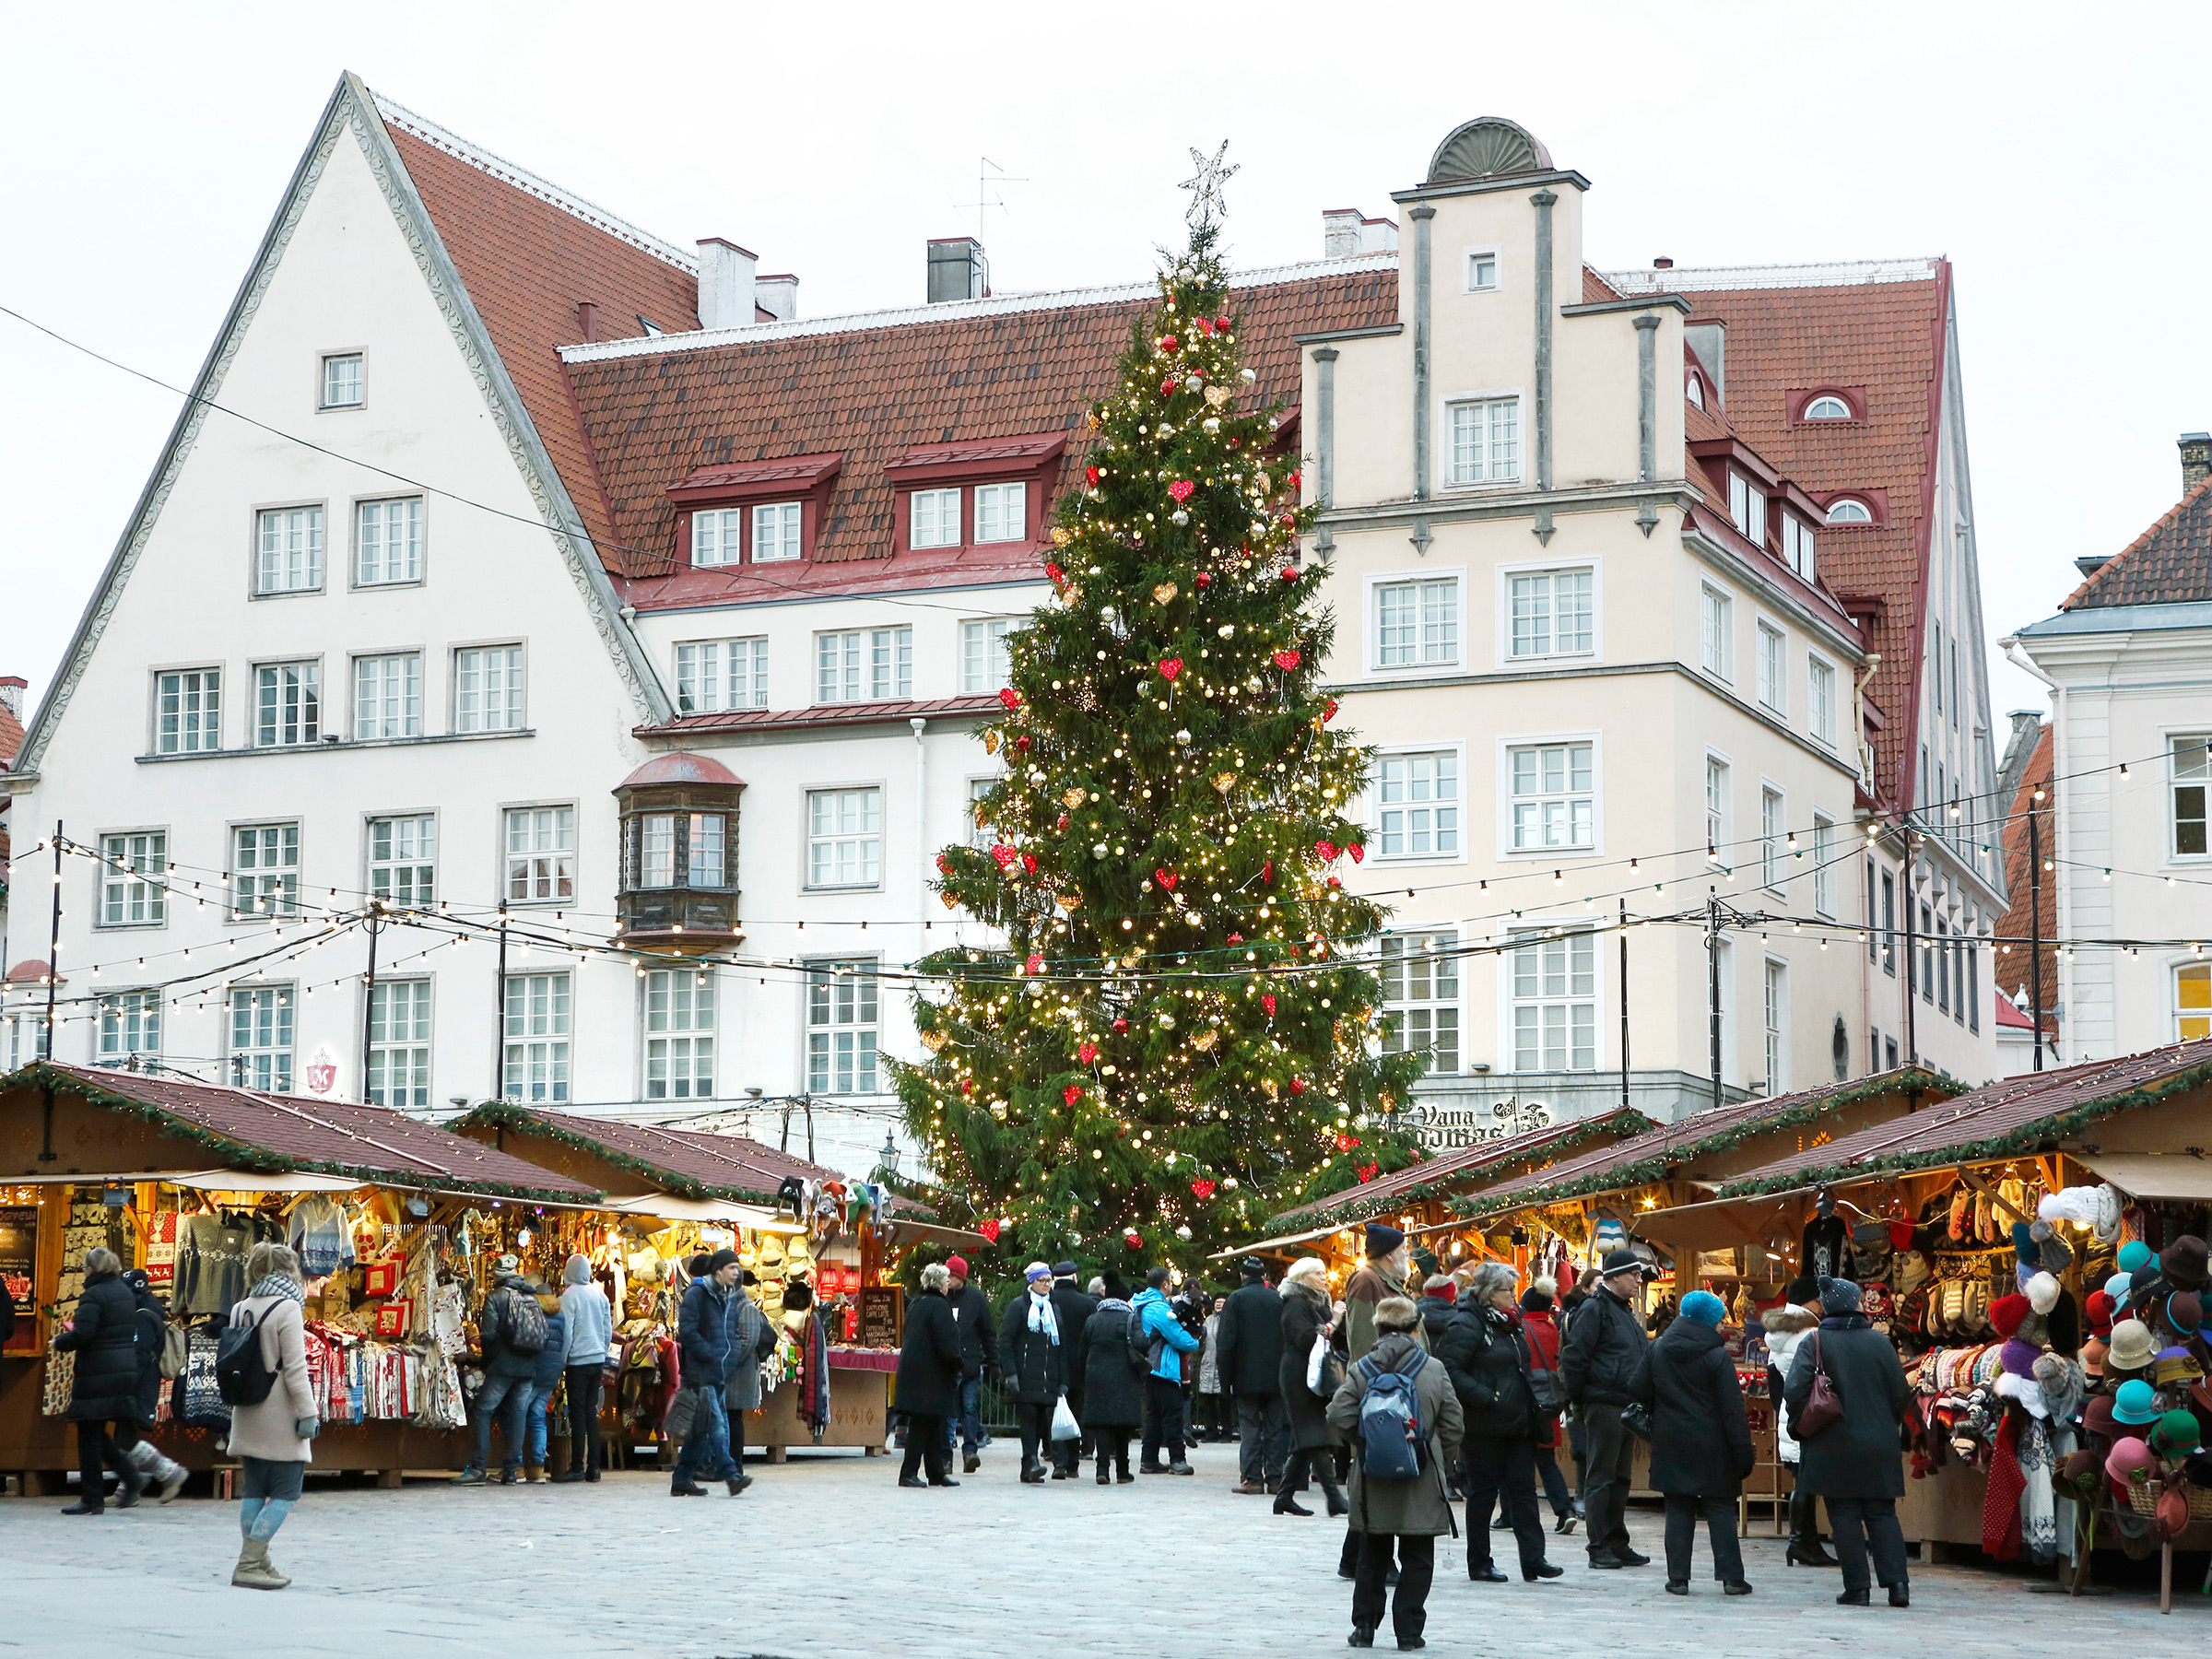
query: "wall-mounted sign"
321, 1073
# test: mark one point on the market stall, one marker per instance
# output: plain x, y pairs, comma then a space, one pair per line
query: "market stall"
180, 1179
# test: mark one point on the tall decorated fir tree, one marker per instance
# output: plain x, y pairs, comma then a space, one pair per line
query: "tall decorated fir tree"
1175, 1040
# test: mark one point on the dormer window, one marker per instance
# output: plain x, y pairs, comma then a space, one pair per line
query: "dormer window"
1797, 545
1827, 406
1000, 512
978, 492
776, 531
717, 536
1747, 507
1694, 388
760, 512
1848, 512
934, 520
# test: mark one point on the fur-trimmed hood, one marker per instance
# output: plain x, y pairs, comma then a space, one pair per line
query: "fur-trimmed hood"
1788, 1320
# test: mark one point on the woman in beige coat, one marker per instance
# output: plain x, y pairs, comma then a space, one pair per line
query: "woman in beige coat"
270, 1439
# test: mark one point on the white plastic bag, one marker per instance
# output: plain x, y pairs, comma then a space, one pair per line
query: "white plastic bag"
1065, 1426
1317, 1366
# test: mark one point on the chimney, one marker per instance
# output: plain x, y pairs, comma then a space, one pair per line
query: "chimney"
958, 269
587, 314
2196, 460
1339, 232
12, 687
1662, 263
777, 295
726, 284
1708, 337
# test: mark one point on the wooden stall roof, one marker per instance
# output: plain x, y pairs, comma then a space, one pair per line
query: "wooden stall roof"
2000, 1120
1489, 1159
178, 1126
1649, 1156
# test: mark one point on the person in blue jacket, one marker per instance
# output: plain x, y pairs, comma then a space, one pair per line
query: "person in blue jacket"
1163, 1387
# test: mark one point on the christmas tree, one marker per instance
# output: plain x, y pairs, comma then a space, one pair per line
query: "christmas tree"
1175, 1040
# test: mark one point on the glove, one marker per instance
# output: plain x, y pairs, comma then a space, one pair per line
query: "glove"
307, 1428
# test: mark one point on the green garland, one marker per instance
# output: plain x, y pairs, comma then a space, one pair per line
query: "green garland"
2020, 1138
506, 1114
245, 1154
1654, 1165
1350, 1208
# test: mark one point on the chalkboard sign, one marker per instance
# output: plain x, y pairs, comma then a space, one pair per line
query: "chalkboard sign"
879, 1311
19, 1265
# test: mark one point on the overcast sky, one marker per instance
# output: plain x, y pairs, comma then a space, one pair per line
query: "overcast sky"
2060, 166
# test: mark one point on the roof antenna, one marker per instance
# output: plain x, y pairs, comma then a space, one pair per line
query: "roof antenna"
984, 197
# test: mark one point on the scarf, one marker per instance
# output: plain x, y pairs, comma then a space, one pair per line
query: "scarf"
280, 1284
1114, 1305
1042, 1318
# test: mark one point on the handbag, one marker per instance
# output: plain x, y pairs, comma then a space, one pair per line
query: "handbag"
1317, 1367
1636, 1417
1822, 1407
1065, 1426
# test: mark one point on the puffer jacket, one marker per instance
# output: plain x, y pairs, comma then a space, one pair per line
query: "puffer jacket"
1787, 1328
1032, 1367
1488, 1360
1159, 1321
1417, 1504
706, 1330
1601, 1359
107, 1337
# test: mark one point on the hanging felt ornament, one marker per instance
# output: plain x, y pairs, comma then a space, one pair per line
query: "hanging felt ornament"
1086, 1052
1287, 660
1181, 489
1009, 697
1071, 1094
1202, 1190
988, 1227
1267, 1002
1169, 668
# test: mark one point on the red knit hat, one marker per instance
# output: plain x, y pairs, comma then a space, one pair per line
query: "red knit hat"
2101, 1308
2007, 1312
955, 1266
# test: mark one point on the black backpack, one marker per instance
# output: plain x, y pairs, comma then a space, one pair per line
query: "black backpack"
1144, 1348
241, 1376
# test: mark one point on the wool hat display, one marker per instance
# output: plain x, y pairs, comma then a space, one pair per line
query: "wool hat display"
2061, 1326
2132, 1348
1621, 1261
2184, 1261
2141, 1281
2019, 1358
2174, 1368
2175, 1435
2060, 1380
2130, 1463
2024, 1245
1702, 1307
2184, 1312
1064, 1270
2100, 1309
2042, 1292
2097, 1418
2136, 1403
1839, 1297
1803, 1291
1035, 1271
2092, 1356
1381, 1240
1901, 1233
2134, 1254
956, 1266
2007, 1312
2117, 1288
2055, 1254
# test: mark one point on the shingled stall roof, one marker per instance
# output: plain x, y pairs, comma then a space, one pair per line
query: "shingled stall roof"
126, 1125
1714, 1133
1464, 1168
2040, 1111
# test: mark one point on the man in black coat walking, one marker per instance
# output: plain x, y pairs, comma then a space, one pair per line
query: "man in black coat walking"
1248, 1353
1072, 1308
979, 1338
1600, 1368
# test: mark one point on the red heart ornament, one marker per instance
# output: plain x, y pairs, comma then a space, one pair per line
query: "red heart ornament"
1004, 855
1267, 1002
989, 1229
1090, 476
1172, 667
1088, 1052
1009, 696
944, 864
1287, 660
1181, 490
1029, 863
1166, 878
1292, 480
1330, 712
1325, 851
1204, 1189
1367, 1171
1034, 965
1071, 1094
1358, 852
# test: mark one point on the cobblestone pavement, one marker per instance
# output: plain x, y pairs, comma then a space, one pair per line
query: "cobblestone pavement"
825, 1556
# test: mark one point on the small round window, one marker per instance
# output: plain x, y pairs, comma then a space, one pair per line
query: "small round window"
1848, 512
1827, 406
1696, 389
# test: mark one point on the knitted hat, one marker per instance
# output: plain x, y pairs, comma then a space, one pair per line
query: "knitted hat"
1839, 1297
2134, 1254
2064, 1322
2132, 1348
1704, 1308
2042, 1292
2136, 1403
2007, 1312
1535, 1301
1424, 1262
2175, 1435
508, 1262
724, 1257
1803, 1291
1621, 1261
2019, 1358
2100, 1309
2024, 1245
1900, 1234
2185, 1261
2060, 1379
956, 1266
1381, 1240
2056, 1254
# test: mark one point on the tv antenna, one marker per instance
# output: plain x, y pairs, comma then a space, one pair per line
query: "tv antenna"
986, 186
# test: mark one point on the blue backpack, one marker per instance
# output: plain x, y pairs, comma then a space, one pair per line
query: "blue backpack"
1391, 1435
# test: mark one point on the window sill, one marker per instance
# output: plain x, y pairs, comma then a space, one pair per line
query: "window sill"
1559, 853
865, 887
113, 927
381, 587
1392, 670
307, 593
328, 746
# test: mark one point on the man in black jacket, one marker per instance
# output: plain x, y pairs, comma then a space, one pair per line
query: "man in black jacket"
1598, 1369
1072, 1308
1248, 1353
979, 1336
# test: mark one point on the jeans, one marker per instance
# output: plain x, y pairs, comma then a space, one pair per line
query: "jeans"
1606, 1461
1682, 1511
1163, 1425
966, 1425
1262, 1437
585, 1449
1555, 1483
1858, 1526
1502, 1471
707, 1446
1416, 1568
533, 1425
927, 1442
503, 1398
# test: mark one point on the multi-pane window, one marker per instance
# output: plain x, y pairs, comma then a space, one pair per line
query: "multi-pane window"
487, 689
1416, 622
1420, 988
840, 1028
1777, 1012
1416, 810
28, 1038
288, 704
1773, 677
402, 859
717, 535
1554, 800
342, 381
1482, 270
844, 837
1747, 509
1797, 545
985, 664
981, 835
776, 531
718, 674
1716, 653
130, 1026
261, 1038
1940, 951
2192, 778
289, 548
399, 1044
1772, 832
387, 696
934, 519
541, 854
188, 706
1873, 926
1820, 700
1970, 969
1716, 814
1824, 868
679, 1033
1888, 922
387, 541
1553, 613
131, 888
864, 664
1849, 512
265, 877
2193, 1001
537, 1059
1486, 441
1555, 1003
1001, 512
680, 849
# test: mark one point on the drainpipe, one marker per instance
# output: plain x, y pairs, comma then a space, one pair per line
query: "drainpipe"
1325, 438
1544, 200
1647, 394
1423, 216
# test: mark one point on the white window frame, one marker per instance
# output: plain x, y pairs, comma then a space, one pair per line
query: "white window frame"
1774, 1015
326, 381
1510, 574
414, 1001
821, 849
199, 716
675, 1017
1820, 682
133, 883
533, 1045
987, 661
1773, 835
717, 536
2176, 781
1562, 931
930, 506
1003, 498
1798, 543
786, 524
1824, 865
1471, 259
708, 678
1814, 405
1431, 807
129, 1026
1693, 388
270, 1030
2173, 998
1717, 632
1747, 506
386, 696
1433, 1023
827, 993
291, 552
298, 706
546, 859
1421, 664
871, 665
1849, 509
403, 864
1720, 816
373, 530
1772, 671
980, 785
253, 885
1484, 475
490, 685
1506, 747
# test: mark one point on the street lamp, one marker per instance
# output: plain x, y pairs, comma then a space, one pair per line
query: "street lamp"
888, 1158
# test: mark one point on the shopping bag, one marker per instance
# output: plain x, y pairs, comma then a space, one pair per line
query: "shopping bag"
1065, 1426
1319, 1364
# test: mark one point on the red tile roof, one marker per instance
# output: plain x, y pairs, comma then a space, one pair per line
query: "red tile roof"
2169, 563
1596, 289
692, 1162
2009, 1015
2012, 966
822, 715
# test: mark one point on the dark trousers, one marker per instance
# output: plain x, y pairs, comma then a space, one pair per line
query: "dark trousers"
1417, 1568
1163, 1423
1067, 1453
1036, 1425
585, 1447
1805, 1519
1308, 1463
925, 1446
1262, 1437
1682, 1512
500, 1398
97, 1451
1862, 1525
1108, 1445
1608, 1450
1502, 1471
1555, 1483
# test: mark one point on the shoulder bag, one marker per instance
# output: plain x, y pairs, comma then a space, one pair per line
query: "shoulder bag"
1822, 1407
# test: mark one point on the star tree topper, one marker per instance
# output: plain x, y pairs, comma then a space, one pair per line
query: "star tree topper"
1206, 201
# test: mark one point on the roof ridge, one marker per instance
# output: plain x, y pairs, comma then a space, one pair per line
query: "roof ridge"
1821, 272
522, 177
952, 310
2102, 570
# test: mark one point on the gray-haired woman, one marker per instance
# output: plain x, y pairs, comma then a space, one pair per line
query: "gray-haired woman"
105, 1336
1486, 1356
270, 1439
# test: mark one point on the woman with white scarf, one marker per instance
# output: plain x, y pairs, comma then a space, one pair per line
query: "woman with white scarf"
270, 1439
1032, 1362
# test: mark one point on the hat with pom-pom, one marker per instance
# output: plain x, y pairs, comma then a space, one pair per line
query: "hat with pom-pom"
2007, 1312
2042, 1292
2100, 1309
1704, 1308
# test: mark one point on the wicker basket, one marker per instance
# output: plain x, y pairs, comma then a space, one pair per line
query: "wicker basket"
2143, 1500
